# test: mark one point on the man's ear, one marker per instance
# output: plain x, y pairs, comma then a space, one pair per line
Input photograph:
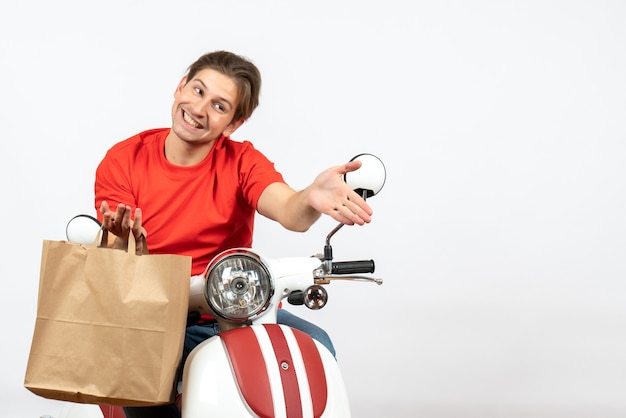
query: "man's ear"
234, 125
182, 83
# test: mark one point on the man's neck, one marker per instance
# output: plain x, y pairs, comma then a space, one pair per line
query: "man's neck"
185, 154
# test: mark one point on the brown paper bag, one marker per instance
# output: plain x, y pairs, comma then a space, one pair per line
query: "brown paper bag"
110, 325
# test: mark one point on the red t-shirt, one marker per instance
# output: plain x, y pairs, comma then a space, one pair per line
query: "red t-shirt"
196, 211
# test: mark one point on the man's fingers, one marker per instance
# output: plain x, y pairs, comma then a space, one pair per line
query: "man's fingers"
137, 229
351, 166
104, 207
138, 218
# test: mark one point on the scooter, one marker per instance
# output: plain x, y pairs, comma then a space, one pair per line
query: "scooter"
256, 367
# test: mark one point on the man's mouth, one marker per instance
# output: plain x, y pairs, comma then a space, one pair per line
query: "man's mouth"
191, 121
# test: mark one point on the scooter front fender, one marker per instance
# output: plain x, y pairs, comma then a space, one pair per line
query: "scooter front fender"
265, 370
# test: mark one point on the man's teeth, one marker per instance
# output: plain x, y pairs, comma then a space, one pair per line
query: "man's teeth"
190, 121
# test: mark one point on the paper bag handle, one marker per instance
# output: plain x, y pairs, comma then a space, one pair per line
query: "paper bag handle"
102, 238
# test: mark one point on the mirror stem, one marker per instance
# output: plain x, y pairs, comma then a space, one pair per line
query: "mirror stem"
328, 250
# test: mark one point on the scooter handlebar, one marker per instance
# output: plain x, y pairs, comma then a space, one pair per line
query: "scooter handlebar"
352, 267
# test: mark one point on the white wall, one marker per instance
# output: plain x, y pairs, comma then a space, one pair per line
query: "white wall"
500, 232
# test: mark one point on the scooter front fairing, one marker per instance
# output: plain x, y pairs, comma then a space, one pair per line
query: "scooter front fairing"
266, 370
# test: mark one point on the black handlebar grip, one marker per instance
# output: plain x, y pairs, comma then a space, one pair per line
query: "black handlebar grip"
352, 267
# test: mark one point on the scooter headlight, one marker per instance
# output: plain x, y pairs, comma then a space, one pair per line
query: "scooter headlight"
238, 285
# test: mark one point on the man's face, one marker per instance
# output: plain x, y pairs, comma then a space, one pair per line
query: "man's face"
204, 107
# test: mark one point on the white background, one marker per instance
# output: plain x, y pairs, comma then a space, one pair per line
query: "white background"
500, 233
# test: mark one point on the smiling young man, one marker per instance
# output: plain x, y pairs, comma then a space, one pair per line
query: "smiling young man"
192, 190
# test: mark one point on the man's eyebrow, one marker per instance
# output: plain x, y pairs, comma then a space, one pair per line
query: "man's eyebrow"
223, 99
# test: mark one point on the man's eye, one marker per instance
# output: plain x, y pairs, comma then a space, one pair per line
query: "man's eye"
220, 107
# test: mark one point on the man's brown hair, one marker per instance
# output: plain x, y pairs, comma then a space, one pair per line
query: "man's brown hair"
242, 71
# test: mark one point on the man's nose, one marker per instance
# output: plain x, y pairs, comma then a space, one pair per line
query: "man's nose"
200, 107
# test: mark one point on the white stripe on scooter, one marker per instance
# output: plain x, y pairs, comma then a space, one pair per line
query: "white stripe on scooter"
303, 380
276, 384
271, 363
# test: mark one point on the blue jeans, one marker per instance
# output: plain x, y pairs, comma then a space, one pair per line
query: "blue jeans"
195, 334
